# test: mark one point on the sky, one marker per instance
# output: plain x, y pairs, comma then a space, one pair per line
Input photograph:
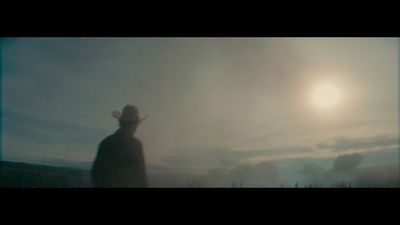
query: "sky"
211, 101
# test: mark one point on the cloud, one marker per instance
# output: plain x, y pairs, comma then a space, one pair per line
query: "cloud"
311, 169
344, 144
27, 136
225, 93
47, 131
229, 157
225, 157
345, 163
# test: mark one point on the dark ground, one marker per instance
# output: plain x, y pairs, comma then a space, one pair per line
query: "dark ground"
25, 175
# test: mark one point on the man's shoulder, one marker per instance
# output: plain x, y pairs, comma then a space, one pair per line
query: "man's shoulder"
106, 140
137, 141
113, 138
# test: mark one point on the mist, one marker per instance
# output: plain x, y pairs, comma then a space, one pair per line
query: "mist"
222, 111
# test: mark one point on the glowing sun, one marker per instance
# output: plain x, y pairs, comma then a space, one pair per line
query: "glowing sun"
326, 97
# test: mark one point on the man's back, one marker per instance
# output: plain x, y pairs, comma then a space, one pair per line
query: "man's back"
119, 162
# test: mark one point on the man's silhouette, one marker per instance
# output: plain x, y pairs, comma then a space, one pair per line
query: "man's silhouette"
120, 159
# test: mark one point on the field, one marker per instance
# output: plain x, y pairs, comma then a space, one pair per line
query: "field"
35, 176
24, 175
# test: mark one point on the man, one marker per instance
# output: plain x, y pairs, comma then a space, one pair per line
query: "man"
120, 160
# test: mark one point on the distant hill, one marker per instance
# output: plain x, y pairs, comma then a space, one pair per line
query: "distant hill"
53, 162
27, 175
16, 174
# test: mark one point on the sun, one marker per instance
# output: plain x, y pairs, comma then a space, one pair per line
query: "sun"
326, 96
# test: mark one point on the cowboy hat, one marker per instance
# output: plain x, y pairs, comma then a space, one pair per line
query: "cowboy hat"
129, 114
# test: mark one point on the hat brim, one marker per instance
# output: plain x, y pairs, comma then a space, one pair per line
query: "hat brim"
117, 115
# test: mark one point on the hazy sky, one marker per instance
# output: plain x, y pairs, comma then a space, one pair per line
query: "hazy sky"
210, 101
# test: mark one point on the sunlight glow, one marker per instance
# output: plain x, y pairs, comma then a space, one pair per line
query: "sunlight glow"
326, 97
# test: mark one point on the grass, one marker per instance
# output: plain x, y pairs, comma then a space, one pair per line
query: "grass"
34, 176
